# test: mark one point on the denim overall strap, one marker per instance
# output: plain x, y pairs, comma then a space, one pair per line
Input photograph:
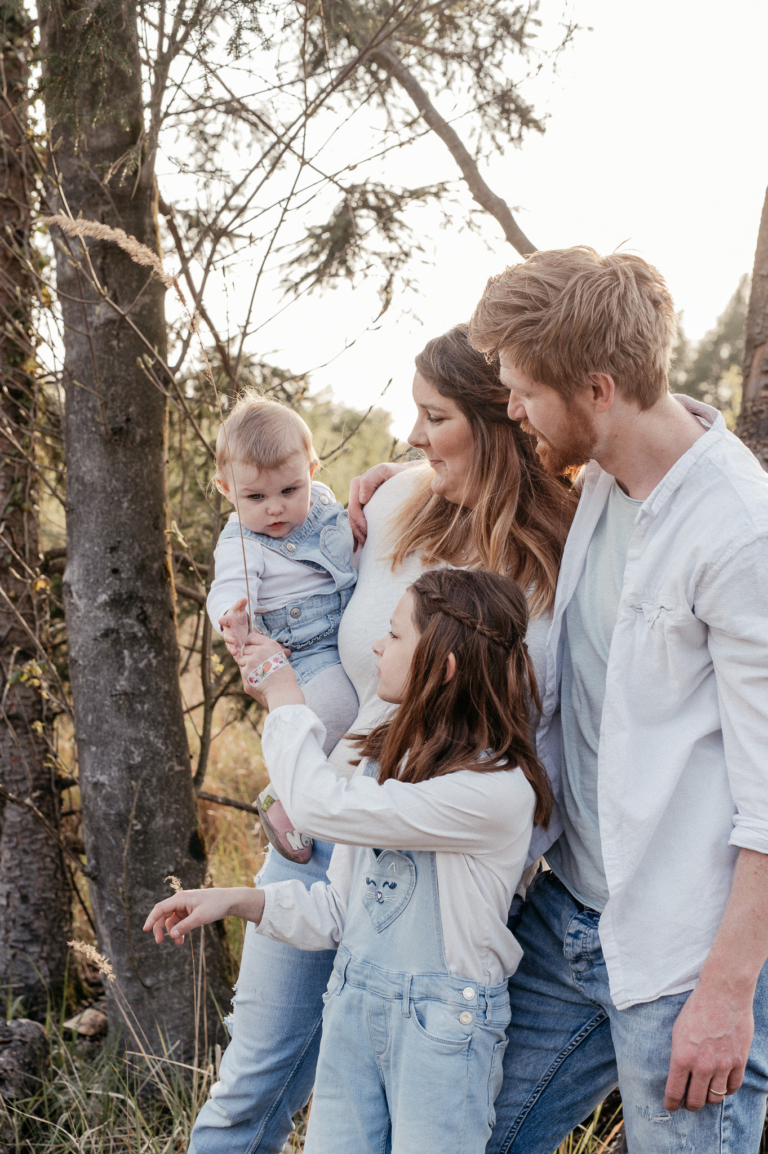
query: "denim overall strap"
323, 541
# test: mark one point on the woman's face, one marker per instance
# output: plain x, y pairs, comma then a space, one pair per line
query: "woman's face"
394, 653
445, 435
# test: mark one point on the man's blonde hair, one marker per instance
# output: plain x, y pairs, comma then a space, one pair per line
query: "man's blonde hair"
566, 313
263, 433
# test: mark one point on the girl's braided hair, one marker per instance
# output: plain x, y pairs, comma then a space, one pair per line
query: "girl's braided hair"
481, 718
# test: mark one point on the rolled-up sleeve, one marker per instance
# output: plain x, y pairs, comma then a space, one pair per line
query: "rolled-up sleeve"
734, 605
463, 812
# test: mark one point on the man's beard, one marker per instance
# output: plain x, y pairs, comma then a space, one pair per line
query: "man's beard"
573, 451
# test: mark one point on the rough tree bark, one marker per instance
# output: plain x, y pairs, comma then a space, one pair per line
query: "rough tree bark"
753, 418
139, 811
481, 193
34, 890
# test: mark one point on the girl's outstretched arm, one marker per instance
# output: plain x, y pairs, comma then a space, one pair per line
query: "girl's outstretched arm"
188, 909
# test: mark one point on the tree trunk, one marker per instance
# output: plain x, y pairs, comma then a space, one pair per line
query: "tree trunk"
140, 816
34, 889
753, 418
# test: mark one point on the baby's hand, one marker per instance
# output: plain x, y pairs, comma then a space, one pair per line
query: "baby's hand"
234, 627
184, 911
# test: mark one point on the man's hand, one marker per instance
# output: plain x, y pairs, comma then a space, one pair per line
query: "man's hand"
184, 911
713, 1033
710, 1046
234, 627
362, 489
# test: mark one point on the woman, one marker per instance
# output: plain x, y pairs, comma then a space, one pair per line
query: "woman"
483, 501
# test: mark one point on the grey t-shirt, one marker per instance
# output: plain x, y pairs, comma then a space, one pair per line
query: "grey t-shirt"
576, 857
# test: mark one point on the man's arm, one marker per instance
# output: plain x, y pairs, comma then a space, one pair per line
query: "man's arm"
713, 1034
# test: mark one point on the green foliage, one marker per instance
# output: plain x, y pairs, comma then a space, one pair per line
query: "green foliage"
343, 247
469, 43
710, 370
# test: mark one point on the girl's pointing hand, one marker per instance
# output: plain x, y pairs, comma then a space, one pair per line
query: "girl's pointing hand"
186, 910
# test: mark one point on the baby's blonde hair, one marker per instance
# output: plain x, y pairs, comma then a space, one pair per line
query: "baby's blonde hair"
263, 433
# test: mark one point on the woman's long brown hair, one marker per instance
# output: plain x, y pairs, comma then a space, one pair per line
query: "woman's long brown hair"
480, 719
520, 514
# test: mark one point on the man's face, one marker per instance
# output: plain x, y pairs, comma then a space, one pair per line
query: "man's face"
565, 431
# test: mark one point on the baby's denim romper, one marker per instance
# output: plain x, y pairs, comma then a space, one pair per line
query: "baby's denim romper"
405, 1045
310, 627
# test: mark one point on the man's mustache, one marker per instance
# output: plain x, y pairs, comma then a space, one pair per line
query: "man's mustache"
527, 427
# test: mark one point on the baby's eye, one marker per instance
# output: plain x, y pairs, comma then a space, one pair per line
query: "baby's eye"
255, 496
290, 489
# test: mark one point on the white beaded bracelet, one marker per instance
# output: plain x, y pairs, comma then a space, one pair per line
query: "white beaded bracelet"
276, 661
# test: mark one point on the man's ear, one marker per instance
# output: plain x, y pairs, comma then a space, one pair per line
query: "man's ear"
603, 391
450, 668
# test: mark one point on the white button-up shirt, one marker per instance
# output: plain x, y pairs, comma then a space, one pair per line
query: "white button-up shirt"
683, 754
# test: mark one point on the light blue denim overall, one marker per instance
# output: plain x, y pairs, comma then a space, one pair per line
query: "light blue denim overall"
268, 1068
309, 627
411, 1057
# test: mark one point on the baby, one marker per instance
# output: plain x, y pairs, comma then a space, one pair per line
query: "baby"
294, 540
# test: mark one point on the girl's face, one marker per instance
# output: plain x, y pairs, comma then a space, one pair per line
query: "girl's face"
445, 435
395, 652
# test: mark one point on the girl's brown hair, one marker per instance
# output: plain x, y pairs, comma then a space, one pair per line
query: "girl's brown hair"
480, 719
521, 514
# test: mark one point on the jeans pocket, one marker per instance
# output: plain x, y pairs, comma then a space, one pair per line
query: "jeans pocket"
495, 1078
441, 1023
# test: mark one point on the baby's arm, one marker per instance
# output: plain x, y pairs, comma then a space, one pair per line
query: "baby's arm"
228, 597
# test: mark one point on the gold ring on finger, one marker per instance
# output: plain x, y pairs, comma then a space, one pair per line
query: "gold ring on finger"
719, 1093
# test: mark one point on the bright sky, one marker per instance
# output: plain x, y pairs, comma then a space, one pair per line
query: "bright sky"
657, 136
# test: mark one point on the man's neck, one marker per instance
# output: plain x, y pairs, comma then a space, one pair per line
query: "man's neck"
639, 448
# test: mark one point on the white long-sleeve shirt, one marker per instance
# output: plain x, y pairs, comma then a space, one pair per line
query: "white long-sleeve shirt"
683, 750
478, 824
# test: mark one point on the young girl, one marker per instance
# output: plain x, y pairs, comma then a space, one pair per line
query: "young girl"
293, 540
417, 1005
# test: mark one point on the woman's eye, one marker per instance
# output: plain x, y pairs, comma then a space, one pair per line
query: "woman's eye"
435, 420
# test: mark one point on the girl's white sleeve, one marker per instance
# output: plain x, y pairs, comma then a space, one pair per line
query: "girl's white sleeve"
229, 584
310, 919
464, 812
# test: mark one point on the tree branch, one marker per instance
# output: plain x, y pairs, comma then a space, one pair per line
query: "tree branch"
481, 193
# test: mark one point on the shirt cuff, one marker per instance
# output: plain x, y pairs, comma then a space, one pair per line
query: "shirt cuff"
749, 834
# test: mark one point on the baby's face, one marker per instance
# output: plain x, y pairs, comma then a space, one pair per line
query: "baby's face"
274, 502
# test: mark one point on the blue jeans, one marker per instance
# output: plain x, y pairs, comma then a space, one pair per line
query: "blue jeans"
268, 1069
569, 1047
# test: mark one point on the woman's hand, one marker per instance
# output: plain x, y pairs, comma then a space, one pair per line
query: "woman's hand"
281, 686
362, 489
188, 909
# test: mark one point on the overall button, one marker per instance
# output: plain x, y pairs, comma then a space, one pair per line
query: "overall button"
468, 993
291, 547
465, 1018
323, 499
295, 612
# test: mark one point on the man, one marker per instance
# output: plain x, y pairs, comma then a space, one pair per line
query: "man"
645, 942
